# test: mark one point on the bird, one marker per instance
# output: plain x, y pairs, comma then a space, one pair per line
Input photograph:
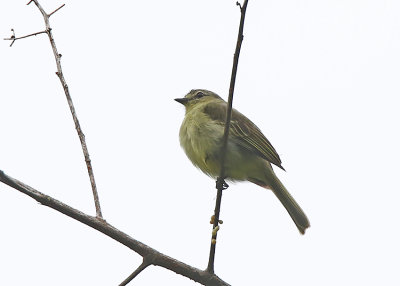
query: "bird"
249, 154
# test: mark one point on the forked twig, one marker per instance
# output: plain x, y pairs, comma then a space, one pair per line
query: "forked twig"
221, 185
13, 38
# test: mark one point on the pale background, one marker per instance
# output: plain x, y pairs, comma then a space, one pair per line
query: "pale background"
320, 78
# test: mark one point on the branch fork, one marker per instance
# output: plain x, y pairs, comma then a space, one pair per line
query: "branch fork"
150, 255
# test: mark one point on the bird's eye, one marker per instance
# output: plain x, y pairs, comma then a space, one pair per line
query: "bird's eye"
200, 94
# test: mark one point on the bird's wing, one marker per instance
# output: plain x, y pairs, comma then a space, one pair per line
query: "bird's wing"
244, 132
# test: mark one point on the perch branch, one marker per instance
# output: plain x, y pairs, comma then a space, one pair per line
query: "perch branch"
152, 256
221, 185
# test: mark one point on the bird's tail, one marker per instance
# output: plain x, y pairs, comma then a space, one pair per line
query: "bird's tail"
292, 207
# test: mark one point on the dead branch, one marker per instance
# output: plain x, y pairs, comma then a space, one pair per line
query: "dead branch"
78, 128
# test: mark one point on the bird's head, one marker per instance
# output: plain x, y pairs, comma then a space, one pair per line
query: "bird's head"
196, 97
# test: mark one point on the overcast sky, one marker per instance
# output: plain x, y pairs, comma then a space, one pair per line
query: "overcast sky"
320, 79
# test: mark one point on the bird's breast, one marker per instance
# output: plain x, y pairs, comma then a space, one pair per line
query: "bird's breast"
200, 138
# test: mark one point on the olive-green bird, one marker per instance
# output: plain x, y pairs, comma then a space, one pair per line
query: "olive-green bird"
249, 154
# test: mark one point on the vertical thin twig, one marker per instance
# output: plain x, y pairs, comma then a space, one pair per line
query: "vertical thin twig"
60, 75
221, 185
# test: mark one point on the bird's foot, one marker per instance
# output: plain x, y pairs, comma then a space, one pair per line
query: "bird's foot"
221, 184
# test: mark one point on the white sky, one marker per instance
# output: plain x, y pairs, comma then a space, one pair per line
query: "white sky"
320, 78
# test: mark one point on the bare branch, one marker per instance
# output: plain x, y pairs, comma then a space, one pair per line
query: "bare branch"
60, 75
153, 257
220, 184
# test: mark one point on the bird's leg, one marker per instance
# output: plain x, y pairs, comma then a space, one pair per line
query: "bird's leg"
221, 184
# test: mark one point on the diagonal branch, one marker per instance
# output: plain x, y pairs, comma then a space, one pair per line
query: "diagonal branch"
221, 185
150, 255
56, 10
78, 128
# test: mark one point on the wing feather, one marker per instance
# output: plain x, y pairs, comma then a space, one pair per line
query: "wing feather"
244, 132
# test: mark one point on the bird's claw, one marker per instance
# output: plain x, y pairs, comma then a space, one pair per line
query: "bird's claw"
221, 184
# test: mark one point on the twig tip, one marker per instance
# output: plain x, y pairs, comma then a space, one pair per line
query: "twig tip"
56, 10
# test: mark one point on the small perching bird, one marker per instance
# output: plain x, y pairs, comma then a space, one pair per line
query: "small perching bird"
248, 156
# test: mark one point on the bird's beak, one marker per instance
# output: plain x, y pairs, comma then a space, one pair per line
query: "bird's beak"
183, 100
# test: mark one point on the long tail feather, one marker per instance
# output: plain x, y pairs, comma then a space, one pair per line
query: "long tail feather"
292, 207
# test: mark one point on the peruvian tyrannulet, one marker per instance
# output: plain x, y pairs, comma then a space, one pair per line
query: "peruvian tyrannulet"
249, 154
